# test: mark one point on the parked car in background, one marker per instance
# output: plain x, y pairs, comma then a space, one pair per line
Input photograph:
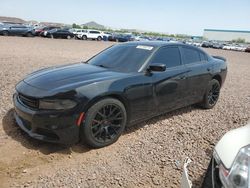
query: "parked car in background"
238, 47
206, 44
106, 35
17, 30
141, 38
196, 43
121, 86
247, 49
75, 30
227, 47
79, 33
60, 33
121, 37
91, 34
217, 45
43, 30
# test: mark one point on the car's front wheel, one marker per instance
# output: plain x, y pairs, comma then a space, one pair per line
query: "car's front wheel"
5, 33
84, 37
212, 94
99, 38
104, 123
29, 34
68, 37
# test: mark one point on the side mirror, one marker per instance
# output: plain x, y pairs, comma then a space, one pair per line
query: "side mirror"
157, 67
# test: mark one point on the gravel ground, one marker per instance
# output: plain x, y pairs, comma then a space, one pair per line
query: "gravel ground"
150, 154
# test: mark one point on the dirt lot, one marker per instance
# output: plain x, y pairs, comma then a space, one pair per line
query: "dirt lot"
150, 154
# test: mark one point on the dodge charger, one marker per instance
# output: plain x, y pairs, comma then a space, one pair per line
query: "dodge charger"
94, 101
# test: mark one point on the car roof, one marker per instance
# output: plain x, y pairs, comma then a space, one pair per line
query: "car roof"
155, 43
158, 44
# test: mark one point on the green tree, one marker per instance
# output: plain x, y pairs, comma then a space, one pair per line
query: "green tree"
239, 40
76, 26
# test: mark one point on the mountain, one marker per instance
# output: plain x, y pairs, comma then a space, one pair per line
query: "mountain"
11, 19
94, 25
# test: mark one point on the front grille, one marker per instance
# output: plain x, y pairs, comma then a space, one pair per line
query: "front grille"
28, 101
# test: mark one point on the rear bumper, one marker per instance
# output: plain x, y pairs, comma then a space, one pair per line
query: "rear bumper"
46, 126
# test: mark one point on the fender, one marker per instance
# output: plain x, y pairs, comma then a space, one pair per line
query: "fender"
231, 143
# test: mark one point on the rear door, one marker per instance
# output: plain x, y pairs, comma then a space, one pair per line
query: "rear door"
16, 30
169, 86
199, 73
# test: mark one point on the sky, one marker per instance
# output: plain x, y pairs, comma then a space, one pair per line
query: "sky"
174, 17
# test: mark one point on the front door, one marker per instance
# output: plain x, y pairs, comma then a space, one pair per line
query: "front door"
169, 86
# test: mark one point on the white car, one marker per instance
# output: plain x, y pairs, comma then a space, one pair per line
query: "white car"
79, 33
230, 164
91, 34
74, 30
228, 47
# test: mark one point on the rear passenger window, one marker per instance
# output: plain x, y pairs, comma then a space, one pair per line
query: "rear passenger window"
203, 57
190, 55
170, 56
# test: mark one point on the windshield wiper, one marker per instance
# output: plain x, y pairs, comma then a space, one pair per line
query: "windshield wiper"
103, 66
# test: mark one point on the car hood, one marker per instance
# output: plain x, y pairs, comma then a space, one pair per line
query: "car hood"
231, 143
69, 75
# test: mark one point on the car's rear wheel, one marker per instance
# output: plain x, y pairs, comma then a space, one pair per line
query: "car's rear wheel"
104, 123
84, 37
212, 94
5, 33
68, 37
29, 34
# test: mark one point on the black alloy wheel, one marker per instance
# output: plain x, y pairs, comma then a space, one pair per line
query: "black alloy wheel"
104, 123
212, 94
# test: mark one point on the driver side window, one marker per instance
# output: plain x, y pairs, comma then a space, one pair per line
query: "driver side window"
170, 56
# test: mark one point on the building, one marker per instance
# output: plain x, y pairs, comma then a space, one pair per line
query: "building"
226, 35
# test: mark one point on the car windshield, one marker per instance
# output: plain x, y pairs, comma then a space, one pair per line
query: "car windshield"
123, 58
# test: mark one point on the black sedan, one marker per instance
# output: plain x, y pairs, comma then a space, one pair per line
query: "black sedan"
120, 38
124, 84
60, 33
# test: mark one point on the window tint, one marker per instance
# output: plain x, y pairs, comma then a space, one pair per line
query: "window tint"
190, 55
123, 58
94, 32
170, 56
203, 57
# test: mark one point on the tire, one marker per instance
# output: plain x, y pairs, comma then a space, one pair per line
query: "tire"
29, 35
68, 37
99, 38
208, 179
51, 36
104, 123
117, 40
5, 33
212, 94
84, 37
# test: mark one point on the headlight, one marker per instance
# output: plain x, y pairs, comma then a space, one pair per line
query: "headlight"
238, 175
57, 104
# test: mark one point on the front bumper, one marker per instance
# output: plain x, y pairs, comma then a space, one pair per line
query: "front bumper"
56, 127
